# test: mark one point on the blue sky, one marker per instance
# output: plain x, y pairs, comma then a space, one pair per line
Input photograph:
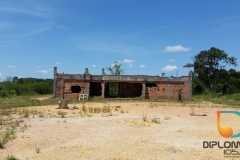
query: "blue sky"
145, 36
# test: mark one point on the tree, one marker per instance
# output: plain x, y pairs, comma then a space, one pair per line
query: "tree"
209, 65
115, 69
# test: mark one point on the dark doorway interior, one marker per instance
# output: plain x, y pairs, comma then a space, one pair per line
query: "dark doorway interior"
95, 89
131, 90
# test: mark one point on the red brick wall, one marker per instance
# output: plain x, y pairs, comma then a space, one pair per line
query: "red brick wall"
153, 92
67, 88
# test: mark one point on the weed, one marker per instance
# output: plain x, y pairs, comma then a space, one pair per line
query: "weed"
90, 109
9, 135
62, 114
96, 110
38, 149
106, 109
156, 120
26, 114
84, 109
122, 111
144, 117
167, 118
118, 106
89, 115
41, 115
192, 112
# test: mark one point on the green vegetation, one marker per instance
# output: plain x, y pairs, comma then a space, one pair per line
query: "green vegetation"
156, 120
23, 86
24, 101
11, 157
62, 114
232, 100
115, 69
210, 74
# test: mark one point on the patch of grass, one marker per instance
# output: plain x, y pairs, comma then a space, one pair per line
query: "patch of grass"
122, 111
11, 157
24, 101
7, 136
232, 100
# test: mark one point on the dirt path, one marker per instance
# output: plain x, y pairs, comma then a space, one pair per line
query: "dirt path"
122, 136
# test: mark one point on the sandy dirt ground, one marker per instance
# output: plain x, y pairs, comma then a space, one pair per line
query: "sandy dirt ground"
125, 134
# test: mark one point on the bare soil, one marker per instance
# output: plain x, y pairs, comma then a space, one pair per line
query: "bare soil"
125, 134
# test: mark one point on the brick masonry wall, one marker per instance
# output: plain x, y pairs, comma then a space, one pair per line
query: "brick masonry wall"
158, 90
65, 86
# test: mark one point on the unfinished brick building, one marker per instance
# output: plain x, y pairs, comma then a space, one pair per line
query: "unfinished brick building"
128, 86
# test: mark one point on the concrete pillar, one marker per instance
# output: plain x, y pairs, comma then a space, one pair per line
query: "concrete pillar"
86, 71
144, 90
169, 89
54, 81
103, 72
190, 85
103, 90
86, 87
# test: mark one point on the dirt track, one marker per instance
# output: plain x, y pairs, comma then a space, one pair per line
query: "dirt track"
122, 136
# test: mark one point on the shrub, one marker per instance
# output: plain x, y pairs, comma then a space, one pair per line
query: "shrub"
3, 93
12, 92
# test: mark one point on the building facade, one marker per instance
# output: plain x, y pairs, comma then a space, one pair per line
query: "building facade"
122, 86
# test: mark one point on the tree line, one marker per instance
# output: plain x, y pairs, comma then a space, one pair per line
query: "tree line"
24, 86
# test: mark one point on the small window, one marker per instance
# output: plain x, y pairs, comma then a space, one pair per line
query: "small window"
76, 89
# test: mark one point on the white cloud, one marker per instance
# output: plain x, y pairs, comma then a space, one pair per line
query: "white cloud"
19, 76
58, 63
171, 60
94, 65
177, 48
0, 74
169, 68
42, 71
10, 66
142, 66
128, 61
